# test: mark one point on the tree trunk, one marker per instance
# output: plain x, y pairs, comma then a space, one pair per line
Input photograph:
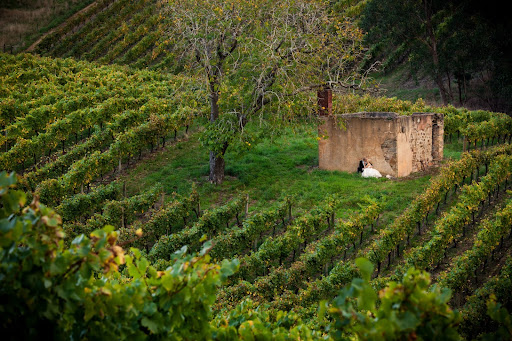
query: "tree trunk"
217, 165
431, 42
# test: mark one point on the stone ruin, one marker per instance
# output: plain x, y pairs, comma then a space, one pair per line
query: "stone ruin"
396, 145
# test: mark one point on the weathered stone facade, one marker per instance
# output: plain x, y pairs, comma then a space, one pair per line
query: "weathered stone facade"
396, 145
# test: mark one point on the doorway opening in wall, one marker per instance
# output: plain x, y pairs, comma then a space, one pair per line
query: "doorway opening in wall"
436, 140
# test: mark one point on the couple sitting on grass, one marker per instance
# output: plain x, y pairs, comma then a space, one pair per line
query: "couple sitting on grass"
366, 169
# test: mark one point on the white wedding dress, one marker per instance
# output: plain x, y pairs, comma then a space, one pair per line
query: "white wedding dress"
371, 173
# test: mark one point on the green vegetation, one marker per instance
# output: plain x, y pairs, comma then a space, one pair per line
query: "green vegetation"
267, 172
93, 289
407, 309
188, 201
144, 170
96, 290
450, 44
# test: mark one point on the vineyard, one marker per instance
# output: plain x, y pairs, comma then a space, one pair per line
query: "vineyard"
109, 227
70, 151
115, 31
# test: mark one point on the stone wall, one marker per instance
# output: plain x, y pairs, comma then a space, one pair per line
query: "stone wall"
395, 145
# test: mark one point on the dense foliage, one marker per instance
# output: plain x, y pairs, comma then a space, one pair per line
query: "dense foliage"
407, 310
453, 42
94, 289
75, 122
71, 128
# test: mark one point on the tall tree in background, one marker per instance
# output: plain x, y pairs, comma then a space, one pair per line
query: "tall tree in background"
489, 26
449, 40
261, 60
401, 28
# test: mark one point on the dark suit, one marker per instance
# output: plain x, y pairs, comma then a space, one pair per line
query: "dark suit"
361, 167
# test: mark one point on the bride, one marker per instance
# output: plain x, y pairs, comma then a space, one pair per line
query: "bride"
369, 171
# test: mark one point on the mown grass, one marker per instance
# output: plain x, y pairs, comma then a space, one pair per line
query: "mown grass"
273, 169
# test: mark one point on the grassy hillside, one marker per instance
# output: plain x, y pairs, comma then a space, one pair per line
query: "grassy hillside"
268, 172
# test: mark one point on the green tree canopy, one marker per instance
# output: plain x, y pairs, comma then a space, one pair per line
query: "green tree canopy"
262, 60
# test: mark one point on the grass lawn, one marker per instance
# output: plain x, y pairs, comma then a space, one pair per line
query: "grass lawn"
271, 170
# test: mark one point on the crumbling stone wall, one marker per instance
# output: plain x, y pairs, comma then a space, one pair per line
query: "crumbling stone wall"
396, 145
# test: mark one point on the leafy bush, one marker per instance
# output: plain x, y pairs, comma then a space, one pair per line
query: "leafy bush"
95, 289
409, 310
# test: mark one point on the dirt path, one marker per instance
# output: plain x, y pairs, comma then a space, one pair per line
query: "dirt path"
32, 47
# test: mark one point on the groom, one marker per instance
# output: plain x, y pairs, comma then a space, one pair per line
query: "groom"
361, 166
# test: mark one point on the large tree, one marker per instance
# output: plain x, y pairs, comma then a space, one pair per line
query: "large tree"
261, 59
410, 29
451, 41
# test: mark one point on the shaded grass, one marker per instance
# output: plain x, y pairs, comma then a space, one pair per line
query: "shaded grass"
269, 171
453, 150
400, 83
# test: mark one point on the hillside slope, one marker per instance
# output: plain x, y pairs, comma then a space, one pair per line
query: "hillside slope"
114, 31
24, 22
